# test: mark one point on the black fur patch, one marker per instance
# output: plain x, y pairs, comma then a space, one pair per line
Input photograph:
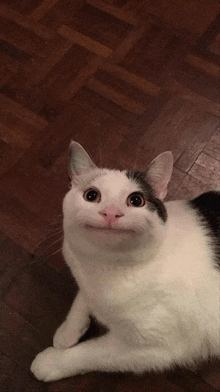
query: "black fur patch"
208, 207
155, 204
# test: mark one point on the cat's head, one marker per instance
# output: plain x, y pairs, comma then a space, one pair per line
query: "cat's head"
113, 208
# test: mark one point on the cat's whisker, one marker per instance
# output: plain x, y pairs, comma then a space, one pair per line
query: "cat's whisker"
41, 248
55, 230
43, 251
53, 243
55, 217
59, 250
51, 224
41, 257
59, 231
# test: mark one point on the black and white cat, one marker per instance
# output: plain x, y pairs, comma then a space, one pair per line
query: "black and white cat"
146, 270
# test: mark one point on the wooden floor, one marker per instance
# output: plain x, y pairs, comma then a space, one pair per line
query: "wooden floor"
128, 80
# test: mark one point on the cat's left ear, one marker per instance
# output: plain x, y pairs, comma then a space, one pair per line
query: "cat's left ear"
159, 173
79, 160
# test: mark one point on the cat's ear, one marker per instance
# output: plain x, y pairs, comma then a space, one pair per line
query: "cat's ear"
79, 160
159, 173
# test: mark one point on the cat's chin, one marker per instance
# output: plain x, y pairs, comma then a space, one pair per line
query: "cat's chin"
110, 231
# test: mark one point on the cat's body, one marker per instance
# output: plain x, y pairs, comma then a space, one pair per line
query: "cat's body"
148, 272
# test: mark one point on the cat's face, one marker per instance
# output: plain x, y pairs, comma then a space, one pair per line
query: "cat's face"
110, 208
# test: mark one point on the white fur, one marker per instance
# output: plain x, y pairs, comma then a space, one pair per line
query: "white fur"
157, 291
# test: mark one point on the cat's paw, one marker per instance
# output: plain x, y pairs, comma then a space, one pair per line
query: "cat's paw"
47, 366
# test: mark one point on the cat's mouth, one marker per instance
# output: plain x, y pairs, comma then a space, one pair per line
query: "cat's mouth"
108, 229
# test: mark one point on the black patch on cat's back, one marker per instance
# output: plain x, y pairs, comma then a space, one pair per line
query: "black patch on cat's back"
155, 204
207, 206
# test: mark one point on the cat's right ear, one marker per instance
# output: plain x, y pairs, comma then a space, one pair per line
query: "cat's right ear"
79, 160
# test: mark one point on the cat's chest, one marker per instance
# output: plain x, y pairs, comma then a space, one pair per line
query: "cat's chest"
112, 300
112, 293
105, 287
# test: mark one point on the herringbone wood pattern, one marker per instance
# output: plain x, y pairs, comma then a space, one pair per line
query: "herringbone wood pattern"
128, 79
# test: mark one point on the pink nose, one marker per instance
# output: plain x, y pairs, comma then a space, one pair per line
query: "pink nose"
111, 214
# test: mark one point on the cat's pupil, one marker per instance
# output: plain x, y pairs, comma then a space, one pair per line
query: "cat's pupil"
91, 195
136, 200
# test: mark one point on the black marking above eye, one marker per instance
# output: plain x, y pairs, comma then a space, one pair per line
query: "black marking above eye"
92, 195
140, 178
136, 199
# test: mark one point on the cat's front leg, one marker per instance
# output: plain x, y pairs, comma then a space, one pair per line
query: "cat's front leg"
75, 325
96, 354
107, 354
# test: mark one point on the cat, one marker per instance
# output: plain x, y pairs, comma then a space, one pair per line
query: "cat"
147, 270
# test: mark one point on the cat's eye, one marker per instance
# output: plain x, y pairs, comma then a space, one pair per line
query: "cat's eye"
136, 199
92, 195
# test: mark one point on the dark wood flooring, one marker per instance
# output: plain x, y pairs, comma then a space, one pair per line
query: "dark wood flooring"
128, 79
